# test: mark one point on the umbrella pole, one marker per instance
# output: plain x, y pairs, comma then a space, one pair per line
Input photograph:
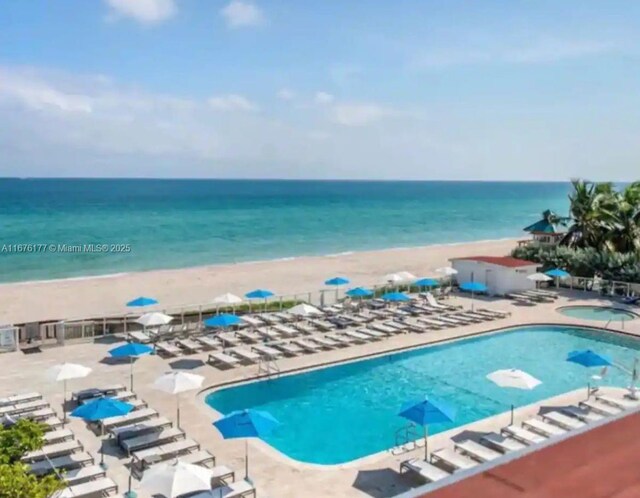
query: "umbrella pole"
426, 450
102, 448
64, 399
511, 414
131, 372
178, 410
246, 459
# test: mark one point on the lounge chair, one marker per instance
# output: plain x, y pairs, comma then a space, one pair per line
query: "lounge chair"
142, 458
356, 336
29, 406
65, 462
288, 348
51, 423
582, 413
383, 328
121, 396
268, 333
543, 428
356, 319
128, 419
461, 317
199, 457
338, 338
322, 324
424, 469
152, 439
413, 327
631, 300
477, 451
54, 450
97, 392
325, 342
252, 320
523, 435
305, 328
434, 323
600, 407
238, 489
245, 354
453, 460
269, 318
139, 336
57, 436
396, 324
284, 317
225, 359
502, 443
372, 333
17, 399
207, 342
100, 487
247, 336
267, 351
189, 345
222, 473
306, 345
499, 313
564, 421
36, 415
622, 403
82, 474
451, 321
229, 339
286, 331
435, 304
166, 348
135, 430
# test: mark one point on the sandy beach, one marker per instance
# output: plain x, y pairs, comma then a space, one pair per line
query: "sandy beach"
104, 296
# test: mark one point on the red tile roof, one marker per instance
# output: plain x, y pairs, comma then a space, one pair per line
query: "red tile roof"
506, 261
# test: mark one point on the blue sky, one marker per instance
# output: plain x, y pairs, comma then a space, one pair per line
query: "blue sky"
425, 89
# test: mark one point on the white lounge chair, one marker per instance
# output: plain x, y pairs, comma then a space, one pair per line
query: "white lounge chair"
152, 439
268, 333
199, 457
225, 359
189, 345
267, 351
502, 443
128, 419
342, 340
622, 403
564, 421
167, 348
252, 320
399, 326
434, 323
435, 304
383, 328
139, 336
306, 345
207, 342
286, 331
54, 450
29, 406
477, 451
582, 413
245, 354
82, 474
325, 342
134, 430
229, 339
372, 333
544, 428
65, 462
57, 436
99, 487
356, 336
305, 328
238, 489
424, 469
452, 459
524, 435
599, 407
248, 336
142, 458
17, 399
322, 324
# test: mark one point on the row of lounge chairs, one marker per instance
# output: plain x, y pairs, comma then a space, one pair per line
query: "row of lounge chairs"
468, 453
533, 297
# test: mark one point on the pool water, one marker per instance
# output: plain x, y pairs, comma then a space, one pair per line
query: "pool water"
340, 413
597, 313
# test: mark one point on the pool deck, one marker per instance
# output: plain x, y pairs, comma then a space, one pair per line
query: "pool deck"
273, 474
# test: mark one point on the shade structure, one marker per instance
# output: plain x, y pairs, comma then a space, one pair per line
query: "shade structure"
245, 424
427, 282
141, 301
588, 358
304, 309
223, 320
259, 294
337, 281
539, 277
514, 378
101, 409
447, 270
176, 383
359, 292
425, 411
395, 297
154, 319
176, 479
227, 298
64, 372
557, 273
130, 350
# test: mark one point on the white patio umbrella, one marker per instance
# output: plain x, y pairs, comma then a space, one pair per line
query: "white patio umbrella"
154, 319
515, 379
539, 277
394, 278
176, 383
447, 270
176, 479
227, 299
304, 309
64, 372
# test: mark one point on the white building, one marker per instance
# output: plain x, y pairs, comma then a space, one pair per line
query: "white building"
501, 274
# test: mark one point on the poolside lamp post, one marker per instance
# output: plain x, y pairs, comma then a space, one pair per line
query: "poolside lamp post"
515, 379
427, 411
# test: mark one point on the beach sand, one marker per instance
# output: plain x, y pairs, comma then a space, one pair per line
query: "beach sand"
105, 296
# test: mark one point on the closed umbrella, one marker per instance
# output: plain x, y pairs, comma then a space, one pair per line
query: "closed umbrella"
245, 424
515, 379
130, 350
176, 479
64, 372
176, 383
427, 411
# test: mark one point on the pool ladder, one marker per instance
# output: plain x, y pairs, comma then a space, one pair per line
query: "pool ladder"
269, 367
405, 435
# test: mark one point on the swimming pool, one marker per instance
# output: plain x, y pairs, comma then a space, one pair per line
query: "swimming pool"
340, 413
597, 313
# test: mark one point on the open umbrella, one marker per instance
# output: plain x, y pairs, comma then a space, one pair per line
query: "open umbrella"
176, 383
304, 309
473, 287
227, 299
223, 320
395, 297
259, 294
245, 424
130, 350
176, 479
101, 409
427, 411
447, 270
359, 292
426, 282
337, 282
64, 372
513, 378
588, 358
539, 277
154, 319
558, 274
141, 301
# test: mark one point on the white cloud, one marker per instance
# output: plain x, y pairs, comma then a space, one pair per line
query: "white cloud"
286, 94
323, 98
144, 11
232, 102
356, 114
240, 14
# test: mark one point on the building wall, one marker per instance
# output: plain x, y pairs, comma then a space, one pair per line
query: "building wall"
499, 279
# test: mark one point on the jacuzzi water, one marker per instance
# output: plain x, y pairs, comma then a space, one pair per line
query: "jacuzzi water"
597, 313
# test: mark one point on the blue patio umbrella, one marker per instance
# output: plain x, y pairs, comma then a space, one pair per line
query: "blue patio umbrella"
395, 297
588, 358
131, 350
101, 409
141, 301
473, 287
427, 411
259, 294
223, 320
359, 292
337, 281
427, 282
557, 273
245, 424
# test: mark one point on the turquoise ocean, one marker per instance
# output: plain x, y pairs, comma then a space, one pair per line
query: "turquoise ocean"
152, 224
